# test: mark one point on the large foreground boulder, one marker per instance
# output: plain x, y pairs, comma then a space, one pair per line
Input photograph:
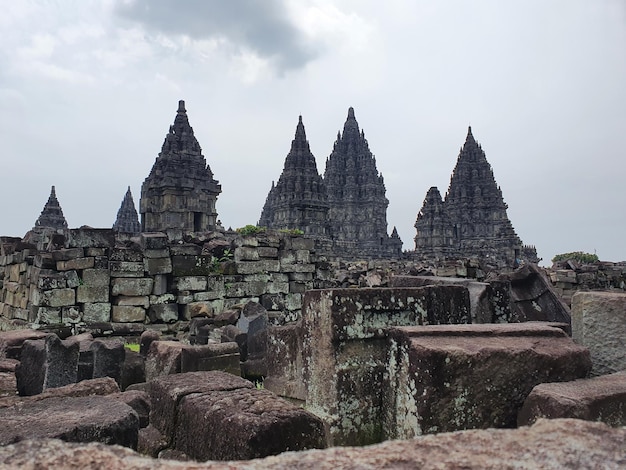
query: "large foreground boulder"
548, 444
75, 419
219, 416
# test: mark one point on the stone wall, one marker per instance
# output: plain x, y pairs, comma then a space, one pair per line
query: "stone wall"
89, 279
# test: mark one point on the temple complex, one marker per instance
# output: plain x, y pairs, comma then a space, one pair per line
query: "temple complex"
180, 191
298, 200
127, 220
472, 220
52, 215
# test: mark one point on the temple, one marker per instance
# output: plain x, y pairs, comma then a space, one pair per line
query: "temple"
356, 195
472, 220
127, 220
298, 200
52, 215
180, 191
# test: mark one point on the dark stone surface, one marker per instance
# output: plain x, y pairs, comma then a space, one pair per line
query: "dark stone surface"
600, 398
46, 363
108, 357
258, 423
132, 369
138, 401
11, 342
75, 419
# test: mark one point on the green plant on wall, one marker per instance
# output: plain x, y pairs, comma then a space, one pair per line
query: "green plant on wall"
250, 230
292, 231
577, 256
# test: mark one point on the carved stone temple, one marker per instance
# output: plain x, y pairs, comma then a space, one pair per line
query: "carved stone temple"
348, 206
127, 220
298, 200
180, 191
52, 215
472, 220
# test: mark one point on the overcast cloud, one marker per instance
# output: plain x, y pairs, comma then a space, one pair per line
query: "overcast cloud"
89, 88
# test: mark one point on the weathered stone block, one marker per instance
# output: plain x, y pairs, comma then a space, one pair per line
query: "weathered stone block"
92, 294
296, 268
267, 252
95, 251
91, 237
162, 299
213, 356
126, 254
11, 342
192, 283
57, 298
126, 268
185, 249
96, 277
186, 265
160, 284
77, 263
246, 253
67, 254
139, 301
447, 378
163, 358
127, 314
131, 286
157, 265
600, 398
153, 241
47, 315
97, 312
166, 313
344, 343
71, 314
285, 370
46, 363
245, 289
261, 266
599, 323
198, 309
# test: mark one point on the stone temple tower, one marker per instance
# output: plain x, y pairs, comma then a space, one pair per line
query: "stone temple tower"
179, 192
52, 215
127, 220
472, 220
298, 200
356, 194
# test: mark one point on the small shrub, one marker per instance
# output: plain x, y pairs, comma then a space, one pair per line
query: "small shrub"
250, 230
577, 256
132, 346
292, 231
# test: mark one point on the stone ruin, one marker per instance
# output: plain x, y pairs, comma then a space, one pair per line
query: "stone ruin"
190, 342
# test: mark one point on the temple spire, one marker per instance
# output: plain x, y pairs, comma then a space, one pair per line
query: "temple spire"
127, 220
52, 215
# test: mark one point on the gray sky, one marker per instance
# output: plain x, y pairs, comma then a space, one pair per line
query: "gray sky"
88, 90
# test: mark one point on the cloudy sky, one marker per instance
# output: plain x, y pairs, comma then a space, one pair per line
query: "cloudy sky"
88, 90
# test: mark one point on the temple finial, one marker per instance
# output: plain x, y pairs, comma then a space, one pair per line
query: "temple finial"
181, 106
351, 113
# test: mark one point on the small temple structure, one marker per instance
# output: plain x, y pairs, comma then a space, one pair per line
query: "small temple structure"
298, 200
180, 191
127, 220
472, 220
52, 215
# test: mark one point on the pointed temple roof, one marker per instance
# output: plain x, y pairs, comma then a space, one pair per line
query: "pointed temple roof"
298, 199
52, 214
127, 219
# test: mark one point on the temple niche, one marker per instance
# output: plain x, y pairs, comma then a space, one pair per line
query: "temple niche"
298, 200
472, 220
180, 191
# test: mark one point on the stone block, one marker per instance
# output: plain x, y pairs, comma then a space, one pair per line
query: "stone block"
213, 356
46, 363
11, 342
296, 268
267, 252
162, 299
161, 253
67, 254
246, 253
259, 423
126, 268
165, 313
49, 280
47, 315
344, 342
138, 301
96, 252
57, 298
185, 249
261, 266
72, 279
198, 309
187, 265
599, 323
108, 356
71, 314
157, 265
97, 312
191, 283
92, 294
91, 237
127, 314
163, 358
96, 277
77, 264
126, 254
153, 241
244, 289
600, 398
132, 286
160, 284
448, 378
